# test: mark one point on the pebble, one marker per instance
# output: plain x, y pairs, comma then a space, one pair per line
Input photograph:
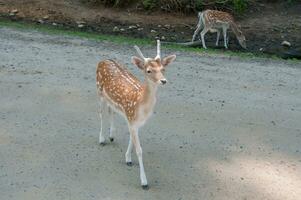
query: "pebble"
15, 11
81, 22
115, 29
46, 17
286, 43
132, 27
153, 31
80, 26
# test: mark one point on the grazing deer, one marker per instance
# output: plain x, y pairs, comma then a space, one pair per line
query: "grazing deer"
122, 92
215, 21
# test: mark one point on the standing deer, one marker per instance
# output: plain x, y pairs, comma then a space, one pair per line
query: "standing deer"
122, 92
215, 21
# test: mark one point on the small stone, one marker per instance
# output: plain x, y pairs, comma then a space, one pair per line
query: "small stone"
80, 26
153, 31
122, 29
41, 21
261, 49
80, 22
15, 11
286, 43
132, 27
159, 26
54, 24
162, 38
115, 29
167, 26
140, 29
46, 17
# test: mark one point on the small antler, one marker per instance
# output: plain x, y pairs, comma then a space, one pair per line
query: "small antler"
139, 52
158, 49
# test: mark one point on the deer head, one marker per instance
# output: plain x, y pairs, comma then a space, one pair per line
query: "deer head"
153, 68
241, 39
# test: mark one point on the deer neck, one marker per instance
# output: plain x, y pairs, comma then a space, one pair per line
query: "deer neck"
150, 91
235, 29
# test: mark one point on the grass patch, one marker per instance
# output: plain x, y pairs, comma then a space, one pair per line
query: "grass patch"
55, 30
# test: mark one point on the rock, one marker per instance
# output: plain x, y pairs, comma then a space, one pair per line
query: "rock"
46, 17
286, 43
261, 49
40, 21
159, 26
115, 29
122, 29
153, 31
132, 27
80, 26
140, 29
80, 22
167, 26
162, 38
54, 24
15, 11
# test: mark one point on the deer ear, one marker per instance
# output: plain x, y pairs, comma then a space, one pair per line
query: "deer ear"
138, 62
168, 59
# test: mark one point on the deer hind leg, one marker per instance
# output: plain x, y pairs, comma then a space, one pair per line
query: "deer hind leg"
204, 31
218, 33
112, 128
136, 142
128, 154
225, 37
102, 105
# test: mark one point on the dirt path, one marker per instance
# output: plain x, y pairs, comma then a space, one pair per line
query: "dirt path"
224, 128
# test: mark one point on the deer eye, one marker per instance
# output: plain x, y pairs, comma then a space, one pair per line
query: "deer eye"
149, 71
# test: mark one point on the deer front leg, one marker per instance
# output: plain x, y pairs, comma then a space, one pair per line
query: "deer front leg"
136, 142
111, 113
128, 154
204, 31
101, 109
217, 37
225, 37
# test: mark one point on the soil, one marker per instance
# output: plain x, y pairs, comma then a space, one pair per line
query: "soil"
266, 26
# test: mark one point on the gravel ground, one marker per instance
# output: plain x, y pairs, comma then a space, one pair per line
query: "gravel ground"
223, 128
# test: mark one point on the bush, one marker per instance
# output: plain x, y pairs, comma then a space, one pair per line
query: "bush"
185, 6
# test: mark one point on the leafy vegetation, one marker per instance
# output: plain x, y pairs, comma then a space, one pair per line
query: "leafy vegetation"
185, 6
178, 5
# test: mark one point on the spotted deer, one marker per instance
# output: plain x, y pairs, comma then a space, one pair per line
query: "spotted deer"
217, 21
121, 92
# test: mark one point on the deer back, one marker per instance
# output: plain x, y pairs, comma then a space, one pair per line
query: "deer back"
119, 87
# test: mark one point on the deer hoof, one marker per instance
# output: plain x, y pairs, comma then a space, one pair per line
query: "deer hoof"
102, 143
111, 139
145, 187
129, 164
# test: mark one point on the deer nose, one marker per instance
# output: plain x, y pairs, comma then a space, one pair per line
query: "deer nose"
163, 81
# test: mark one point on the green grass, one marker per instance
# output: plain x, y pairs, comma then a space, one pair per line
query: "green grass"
125, 40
